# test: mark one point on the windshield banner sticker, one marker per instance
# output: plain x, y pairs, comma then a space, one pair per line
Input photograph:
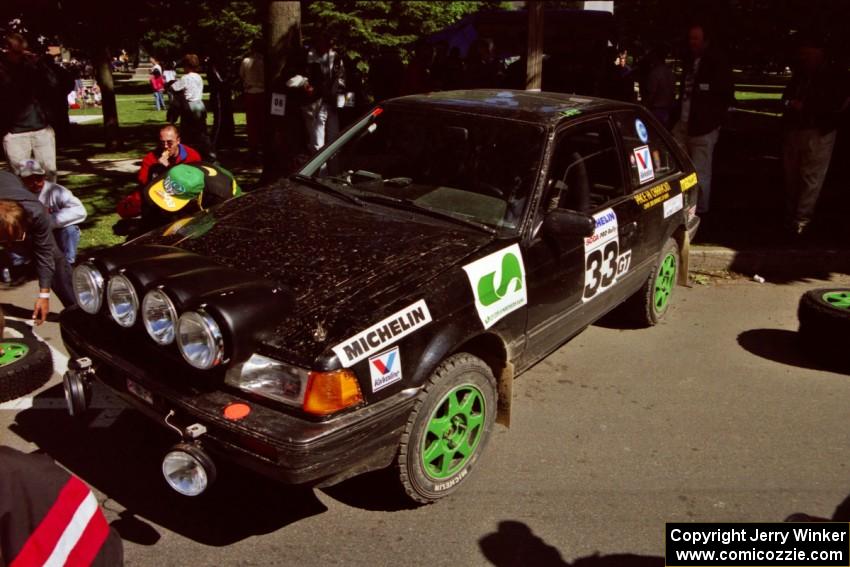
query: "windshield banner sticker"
498, 284
378, 336
385, 369
604, 263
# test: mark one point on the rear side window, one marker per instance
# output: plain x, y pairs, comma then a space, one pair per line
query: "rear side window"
647, 153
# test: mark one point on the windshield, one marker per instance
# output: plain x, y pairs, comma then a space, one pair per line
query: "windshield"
473, 168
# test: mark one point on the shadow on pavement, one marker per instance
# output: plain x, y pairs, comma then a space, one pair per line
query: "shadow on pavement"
782, 346
378, 491
123, 462
514, 544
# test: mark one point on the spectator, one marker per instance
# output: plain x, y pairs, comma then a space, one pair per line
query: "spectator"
169, 152
193, 120
385, 74
155, 66
221, 101
813, 100
50, 516
706, 92
25, 228
65, 210
158, 85
617, 81
657, 85
252, 73
327, 81
483, 71
25, 87
417, 76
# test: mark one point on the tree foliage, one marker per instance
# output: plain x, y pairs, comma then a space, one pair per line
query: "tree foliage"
362, 29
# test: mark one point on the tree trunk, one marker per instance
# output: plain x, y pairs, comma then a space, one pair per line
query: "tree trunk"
282, 33
534, 61
103, 74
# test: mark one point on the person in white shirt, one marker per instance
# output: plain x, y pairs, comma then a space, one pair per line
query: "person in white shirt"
193, 119
65, 210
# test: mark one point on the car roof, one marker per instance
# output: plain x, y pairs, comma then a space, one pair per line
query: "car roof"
528, 106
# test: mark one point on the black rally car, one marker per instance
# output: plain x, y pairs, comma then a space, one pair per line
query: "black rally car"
374, 308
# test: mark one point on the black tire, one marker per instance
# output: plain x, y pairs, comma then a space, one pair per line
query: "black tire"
469, 376
824, 326
642, 308
23, 375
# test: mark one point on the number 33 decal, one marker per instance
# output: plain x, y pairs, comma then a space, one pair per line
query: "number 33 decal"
603, 261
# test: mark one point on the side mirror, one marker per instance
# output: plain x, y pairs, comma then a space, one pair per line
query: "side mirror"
563, 223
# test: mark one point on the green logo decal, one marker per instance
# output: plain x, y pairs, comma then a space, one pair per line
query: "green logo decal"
511, 272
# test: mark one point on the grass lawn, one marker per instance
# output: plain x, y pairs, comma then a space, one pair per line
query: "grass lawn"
102, 178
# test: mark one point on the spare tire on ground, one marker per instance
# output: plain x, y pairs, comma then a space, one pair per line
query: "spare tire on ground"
25, 365
824, 315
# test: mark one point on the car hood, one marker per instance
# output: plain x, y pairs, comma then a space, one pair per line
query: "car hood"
345, 266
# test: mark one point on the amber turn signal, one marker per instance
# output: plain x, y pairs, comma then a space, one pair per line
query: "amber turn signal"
329, 392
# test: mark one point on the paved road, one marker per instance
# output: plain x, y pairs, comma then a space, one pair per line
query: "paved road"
714, 415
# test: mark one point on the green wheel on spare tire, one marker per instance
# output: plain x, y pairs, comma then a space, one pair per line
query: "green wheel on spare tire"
650, 303
824, 315
24, 366
448, 428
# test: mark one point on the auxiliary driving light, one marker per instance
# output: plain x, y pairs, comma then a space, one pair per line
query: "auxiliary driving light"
188, 469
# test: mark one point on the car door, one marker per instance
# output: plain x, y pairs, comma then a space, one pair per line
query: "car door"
573, 280
660, 197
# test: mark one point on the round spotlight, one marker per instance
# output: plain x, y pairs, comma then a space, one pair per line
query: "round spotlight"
159, 316
200, 339
88, 288
76, 393
122, 300
188, 469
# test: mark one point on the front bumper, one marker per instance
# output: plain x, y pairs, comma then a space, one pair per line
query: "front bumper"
283, 446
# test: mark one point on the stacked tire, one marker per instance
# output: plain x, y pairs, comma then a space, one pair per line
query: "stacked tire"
25, 365
824, 316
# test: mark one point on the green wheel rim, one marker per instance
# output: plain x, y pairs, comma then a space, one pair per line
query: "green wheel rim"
838, 299
664, 282
454, 432
12, 352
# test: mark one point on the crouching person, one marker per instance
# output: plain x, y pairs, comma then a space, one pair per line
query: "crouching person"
49, 517
65, 210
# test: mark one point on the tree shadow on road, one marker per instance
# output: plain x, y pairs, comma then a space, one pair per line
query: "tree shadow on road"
782, 346
514, 544
123, 461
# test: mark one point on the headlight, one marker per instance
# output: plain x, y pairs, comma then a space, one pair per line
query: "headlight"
159, 316
88, 288
122, 300
199, 339
269, 378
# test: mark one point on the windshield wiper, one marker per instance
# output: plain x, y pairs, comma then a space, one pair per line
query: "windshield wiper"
317, 183
409, 205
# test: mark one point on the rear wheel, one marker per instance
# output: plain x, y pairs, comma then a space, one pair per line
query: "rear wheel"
650, 303
448, 428
24, 366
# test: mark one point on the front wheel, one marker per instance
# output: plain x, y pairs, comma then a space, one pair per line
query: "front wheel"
447, 429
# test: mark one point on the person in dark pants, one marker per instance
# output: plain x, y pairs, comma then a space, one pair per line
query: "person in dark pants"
706, 93
813, 101
25, 228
